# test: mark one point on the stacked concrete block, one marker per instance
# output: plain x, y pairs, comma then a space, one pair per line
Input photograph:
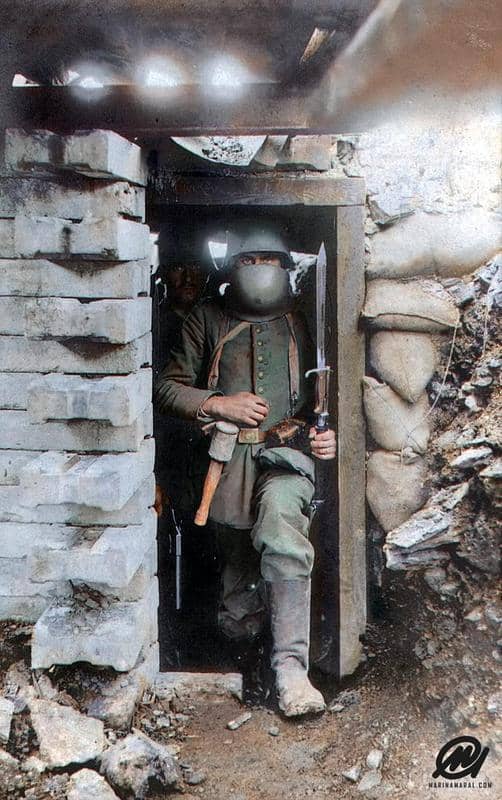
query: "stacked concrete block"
77, 531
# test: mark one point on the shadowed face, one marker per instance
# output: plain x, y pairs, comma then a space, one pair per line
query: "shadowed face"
184, 283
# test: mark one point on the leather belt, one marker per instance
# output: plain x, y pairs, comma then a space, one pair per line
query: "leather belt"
251, 436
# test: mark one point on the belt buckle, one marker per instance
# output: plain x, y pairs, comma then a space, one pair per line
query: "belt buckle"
250, 436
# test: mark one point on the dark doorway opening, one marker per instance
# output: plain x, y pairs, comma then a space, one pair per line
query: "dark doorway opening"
189, 638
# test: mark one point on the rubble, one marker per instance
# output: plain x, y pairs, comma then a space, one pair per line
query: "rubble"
491, 478
236, 723
66, 736
193, 778
370, 780
136, 763
116, 702
353, 774
88, 785
374, 759
472, 457
414, 542
184, 684
6, 712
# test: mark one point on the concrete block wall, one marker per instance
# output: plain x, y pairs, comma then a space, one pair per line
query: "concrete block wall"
77, 528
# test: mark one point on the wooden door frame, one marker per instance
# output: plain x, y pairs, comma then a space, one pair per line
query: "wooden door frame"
347, 198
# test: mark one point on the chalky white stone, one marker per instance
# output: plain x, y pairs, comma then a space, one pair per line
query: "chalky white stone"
86, 784
18, 433
11, 462
66, 736
105, 481
6, 712
109, 636
112, 556
115, 321
117, 400
19, 354
100, 239
97, 153
132, 513
15, 581
20, 539
35, 197
39, 277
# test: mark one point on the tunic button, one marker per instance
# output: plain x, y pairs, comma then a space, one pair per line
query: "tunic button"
260, 358
260, 374
258, 330
259, 342
260, 390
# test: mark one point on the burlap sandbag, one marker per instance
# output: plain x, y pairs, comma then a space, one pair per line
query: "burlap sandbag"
419, 305
435, 244
392, 422
395, 487
406, 361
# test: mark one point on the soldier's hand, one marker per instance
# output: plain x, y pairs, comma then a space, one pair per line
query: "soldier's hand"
243, 408
323, 445
160, 500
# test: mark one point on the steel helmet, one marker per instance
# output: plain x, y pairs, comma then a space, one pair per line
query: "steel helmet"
257, 292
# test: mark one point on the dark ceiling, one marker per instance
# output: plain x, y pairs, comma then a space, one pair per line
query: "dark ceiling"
44, 39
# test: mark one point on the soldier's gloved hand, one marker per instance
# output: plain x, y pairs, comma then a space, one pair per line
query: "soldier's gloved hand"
243, 408
323, 445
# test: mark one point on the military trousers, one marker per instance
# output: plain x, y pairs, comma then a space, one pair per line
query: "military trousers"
276, 548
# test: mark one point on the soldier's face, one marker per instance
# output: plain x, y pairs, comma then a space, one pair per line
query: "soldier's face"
184, 283
258, 258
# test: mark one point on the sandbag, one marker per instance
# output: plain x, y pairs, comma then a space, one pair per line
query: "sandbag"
447, 245
395, 487
406, 361
419, 305
392, 422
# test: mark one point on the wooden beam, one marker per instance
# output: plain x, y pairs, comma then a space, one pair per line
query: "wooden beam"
351, 437
192, 110
252, 191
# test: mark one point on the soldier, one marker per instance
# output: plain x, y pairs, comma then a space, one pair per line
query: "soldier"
177, 289
243, 360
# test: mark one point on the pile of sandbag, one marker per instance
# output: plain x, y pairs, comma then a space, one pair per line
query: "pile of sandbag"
403, 316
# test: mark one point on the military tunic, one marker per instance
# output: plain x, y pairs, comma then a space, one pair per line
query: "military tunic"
263, 499
256, 360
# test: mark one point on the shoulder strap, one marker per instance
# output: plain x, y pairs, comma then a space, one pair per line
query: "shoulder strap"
293, 356
214, 367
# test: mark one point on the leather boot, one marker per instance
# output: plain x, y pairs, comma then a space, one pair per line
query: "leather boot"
290, 624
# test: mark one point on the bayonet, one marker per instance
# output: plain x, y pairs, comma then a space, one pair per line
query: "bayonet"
322, 371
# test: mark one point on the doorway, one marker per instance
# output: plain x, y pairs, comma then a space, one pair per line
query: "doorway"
312, 211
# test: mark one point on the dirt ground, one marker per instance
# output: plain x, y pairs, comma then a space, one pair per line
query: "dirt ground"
404, 705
